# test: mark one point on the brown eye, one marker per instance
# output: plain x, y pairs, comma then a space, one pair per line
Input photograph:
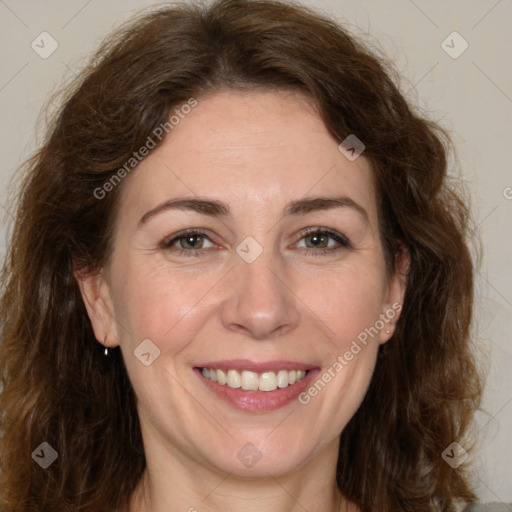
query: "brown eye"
191, 242
322, 241
317, 240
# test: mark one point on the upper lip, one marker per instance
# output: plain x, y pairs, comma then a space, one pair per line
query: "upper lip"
256, 367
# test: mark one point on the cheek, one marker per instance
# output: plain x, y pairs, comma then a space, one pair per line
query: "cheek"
156, 303
169, 306
348, 302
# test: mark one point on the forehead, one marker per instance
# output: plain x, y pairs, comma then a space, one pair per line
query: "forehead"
257, 149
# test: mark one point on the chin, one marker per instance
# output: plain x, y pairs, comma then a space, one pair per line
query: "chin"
246, 459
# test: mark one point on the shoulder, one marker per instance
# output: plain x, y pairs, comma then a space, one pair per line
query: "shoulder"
491, 507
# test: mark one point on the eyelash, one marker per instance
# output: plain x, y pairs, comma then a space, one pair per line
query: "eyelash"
343, 242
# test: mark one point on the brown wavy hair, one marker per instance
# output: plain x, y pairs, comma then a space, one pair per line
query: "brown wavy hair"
57, 389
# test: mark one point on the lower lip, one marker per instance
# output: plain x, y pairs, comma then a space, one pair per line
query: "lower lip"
259, 401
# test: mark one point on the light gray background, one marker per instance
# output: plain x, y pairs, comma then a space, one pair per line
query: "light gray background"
470, 95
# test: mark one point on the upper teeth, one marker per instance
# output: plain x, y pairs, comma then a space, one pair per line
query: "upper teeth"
251, 381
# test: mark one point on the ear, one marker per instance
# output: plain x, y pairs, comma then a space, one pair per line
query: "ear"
97, 300
393, 304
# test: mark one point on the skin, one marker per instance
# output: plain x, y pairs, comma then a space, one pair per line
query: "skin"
255, 152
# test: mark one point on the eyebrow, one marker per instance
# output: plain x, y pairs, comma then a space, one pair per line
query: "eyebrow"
215, 208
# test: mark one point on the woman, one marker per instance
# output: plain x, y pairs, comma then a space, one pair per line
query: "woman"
238, 280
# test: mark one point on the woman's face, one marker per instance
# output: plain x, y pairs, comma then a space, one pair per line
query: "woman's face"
282, 273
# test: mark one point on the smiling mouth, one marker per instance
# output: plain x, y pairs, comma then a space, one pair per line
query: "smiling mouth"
252, 381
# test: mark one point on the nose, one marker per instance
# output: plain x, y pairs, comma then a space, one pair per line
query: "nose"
261, 302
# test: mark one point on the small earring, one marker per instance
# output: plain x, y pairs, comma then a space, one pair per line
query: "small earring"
387, 331
106, 361
107, 349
